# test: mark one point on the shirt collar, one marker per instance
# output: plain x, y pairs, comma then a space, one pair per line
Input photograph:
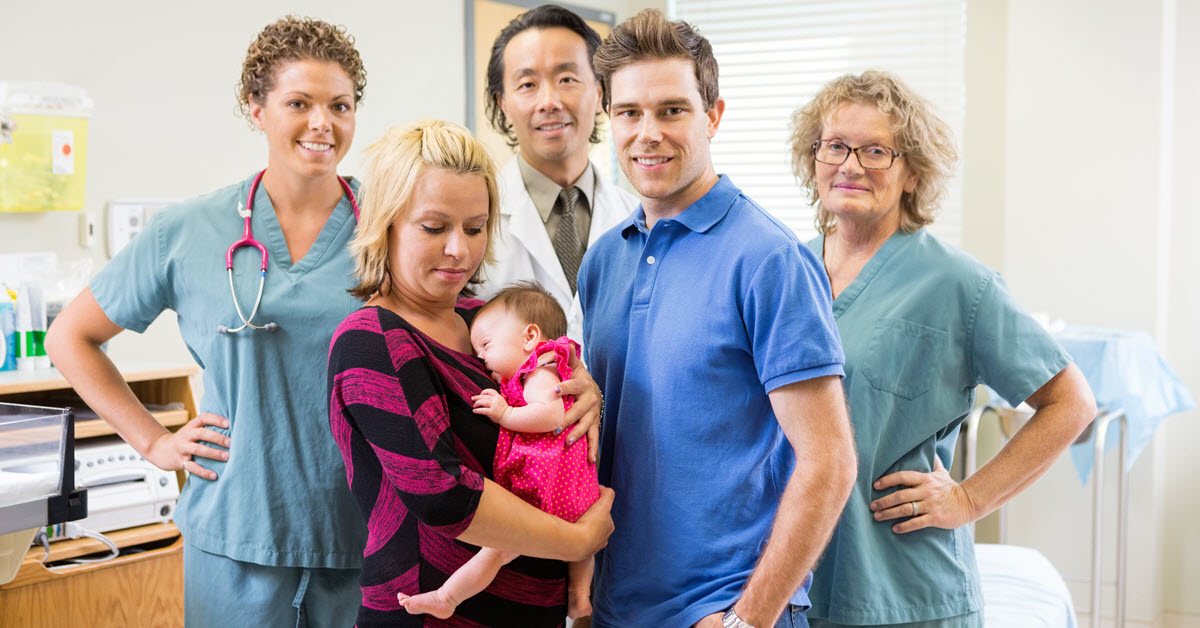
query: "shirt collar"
635, 221
543, 191
701, 216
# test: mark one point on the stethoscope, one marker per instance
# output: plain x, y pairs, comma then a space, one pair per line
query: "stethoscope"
248, 240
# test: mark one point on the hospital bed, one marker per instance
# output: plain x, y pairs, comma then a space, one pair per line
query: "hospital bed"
1021, 588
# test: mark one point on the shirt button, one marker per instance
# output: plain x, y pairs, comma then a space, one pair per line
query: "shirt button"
650, 259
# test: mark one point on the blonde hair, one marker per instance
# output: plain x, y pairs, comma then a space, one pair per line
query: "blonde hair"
531, 303
926, 141
394, 165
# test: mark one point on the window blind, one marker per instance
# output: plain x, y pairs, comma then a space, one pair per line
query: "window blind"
774, 56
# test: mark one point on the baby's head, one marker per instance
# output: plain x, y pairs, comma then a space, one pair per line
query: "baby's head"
511, 325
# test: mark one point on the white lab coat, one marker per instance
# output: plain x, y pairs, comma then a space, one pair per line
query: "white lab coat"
523, 249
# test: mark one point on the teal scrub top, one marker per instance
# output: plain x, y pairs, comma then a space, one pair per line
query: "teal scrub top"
282, 498
922, 325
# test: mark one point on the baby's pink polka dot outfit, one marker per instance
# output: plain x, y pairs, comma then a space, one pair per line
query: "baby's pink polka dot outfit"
537, 467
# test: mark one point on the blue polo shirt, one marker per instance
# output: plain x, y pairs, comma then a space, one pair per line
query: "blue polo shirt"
687, 327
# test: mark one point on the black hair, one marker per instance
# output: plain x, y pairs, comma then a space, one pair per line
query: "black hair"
545, 16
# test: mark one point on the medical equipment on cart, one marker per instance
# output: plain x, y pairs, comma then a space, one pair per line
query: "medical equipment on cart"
33, 496
245, 211
124, 489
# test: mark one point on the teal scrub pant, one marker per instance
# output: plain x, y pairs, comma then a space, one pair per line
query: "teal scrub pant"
970, 620
220, 592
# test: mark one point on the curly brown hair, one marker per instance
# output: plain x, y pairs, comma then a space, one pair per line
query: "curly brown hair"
293, 38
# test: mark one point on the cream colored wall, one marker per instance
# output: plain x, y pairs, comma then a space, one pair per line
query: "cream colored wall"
1071, 246
1181, 567
1086, 229
162, 75
983, 134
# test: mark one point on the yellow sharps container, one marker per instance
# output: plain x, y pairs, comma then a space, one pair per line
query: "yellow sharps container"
43, 146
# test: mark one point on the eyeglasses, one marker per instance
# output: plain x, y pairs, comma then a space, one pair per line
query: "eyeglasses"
871, 156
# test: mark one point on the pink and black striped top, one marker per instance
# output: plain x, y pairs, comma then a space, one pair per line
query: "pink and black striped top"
416, 456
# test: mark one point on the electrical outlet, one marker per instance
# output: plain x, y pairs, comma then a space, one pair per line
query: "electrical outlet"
87, 230
125, 221
127, 218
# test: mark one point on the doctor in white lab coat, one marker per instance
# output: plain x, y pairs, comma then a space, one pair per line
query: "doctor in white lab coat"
543, 95
524, 250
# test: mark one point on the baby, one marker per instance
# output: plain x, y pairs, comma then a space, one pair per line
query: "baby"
512, 335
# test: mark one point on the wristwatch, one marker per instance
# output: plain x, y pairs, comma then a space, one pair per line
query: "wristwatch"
731, 620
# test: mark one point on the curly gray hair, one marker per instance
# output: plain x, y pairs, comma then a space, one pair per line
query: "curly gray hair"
926, 141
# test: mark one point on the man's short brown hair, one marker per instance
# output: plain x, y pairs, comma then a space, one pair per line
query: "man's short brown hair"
649, 36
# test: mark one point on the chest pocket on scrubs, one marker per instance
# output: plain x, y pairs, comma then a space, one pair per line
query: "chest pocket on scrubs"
902, 357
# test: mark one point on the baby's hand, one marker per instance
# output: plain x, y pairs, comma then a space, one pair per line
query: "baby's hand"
491, 404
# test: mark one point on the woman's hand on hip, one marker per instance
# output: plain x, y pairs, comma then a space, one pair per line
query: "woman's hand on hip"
927, 499
174, 451
595, 525
585, 412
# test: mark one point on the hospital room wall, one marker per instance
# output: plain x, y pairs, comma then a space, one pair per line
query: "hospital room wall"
1181, 587
162, 76
1098, 218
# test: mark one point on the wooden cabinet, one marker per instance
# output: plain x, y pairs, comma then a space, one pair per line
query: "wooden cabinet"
137, 589
143, 586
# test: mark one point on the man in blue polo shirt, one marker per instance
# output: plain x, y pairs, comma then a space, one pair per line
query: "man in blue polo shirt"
708, 326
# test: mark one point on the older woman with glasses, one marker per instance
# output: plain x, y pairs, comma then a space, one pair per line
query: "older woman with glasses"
923, 324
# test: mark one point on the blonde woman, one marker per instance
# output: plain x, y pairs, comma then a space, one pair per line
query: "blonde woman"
401, 378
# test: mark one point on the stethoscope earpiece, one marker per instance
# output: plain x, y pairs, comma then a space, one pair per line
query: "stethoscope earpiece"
248, 240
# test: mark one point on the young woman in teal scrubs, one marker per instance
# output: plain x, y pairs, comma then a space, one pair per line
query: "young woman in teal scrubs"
272, 534
922, 324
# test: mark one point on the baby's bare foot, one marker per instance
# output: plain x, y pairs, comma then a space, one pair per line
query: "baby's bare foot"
432, 603
579, 603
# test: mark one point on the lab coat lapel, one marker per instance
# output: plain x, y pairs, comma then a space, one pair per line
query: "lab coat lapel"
525, 225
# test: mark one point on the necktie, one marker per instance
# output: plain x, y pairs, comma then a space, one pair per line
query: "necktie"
566, 238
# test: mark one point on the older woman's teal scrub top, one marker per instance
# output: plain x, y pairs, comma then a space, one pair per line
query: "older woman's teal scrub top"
922, 325
282, 498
